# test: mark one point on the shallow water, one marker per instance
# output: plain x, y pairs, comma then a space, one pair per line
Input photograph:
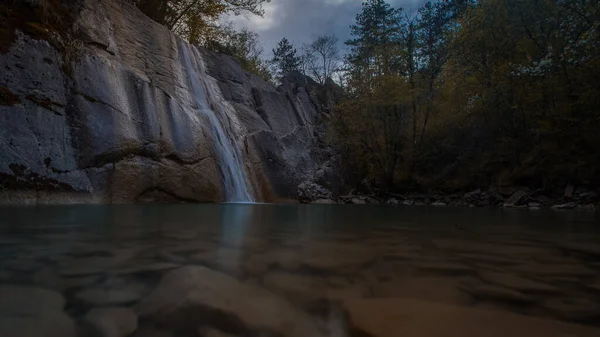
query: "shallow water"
317, 257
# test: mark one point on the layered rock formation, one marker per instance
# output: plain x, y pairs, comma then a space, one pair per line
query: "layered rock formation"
107, 113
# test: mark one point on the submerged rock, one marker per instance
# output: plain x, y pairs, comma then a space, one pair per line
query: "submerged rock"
583, 310
210, 332
33, 312
495, 293
213, 298
412, 318
112, 322
29, 300
517, 282
100, 296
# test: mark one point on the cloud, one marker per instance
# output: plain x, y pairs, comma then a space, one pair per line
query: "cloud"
300, 21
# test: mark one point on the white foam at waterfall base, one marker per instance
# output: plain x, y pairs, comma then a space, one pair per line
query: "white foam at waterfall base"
237, 188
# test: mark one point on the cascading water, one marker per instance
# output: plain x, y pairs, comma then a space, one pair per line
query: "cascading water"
237, 188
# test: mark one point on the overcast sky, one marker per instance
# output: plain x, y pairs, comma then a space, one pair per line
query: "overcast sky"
302, 20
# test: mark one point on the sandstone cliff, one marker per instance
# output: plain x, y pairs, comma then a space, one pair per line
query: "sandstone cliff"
107, 114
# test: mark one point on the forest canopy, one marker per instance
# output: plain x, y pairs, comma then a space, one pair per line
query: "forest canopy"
473, 93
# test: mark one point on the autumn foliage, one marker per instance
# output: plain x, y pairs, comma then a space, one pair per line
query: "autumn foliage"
473, 93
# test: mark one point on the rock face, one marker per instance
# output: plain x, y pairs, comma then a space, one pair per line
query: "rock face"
107, 114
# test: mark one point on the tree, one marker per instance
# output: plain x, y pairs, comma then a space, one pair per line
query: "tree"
195, 19
285, 58
243, 45
323, 57
471, 93
375, 44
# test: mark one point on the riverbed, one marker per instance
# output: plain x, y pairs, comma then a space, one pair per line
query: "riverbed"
294, 270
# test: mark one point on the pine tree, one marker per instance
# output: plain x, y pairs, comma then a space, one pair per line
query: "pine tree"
285, 58
374, 48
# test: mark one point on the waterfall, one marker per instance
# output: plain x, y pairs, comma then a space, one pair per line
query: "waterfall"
217, 114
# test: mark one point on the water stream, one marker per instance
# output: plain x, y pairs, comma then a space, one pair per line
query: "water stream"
237, 188
518, 269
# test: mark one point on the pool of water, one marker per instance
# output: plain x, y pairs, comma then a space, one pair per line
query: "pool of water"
298, 270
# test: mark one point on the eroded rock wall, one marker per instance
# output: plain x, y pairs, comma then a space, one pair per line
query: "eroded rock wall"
109, 117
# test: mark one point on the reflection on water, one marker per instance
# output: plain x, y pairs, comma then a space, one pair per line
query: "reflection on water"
296, 270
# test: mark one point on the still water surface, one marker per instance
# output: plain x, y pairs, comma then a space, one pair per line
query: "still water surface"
321, 259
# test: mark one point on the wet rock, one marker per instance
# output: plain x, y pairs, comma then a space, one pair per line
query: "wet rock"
324, 202
358, 201
568, 205
494, 293
588, 196
393, 201
309, 191
112, 322
507, 191
518, 283
105, 297
473, 195
588, 207
515, 199
569, 191
223, 302
412, 318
